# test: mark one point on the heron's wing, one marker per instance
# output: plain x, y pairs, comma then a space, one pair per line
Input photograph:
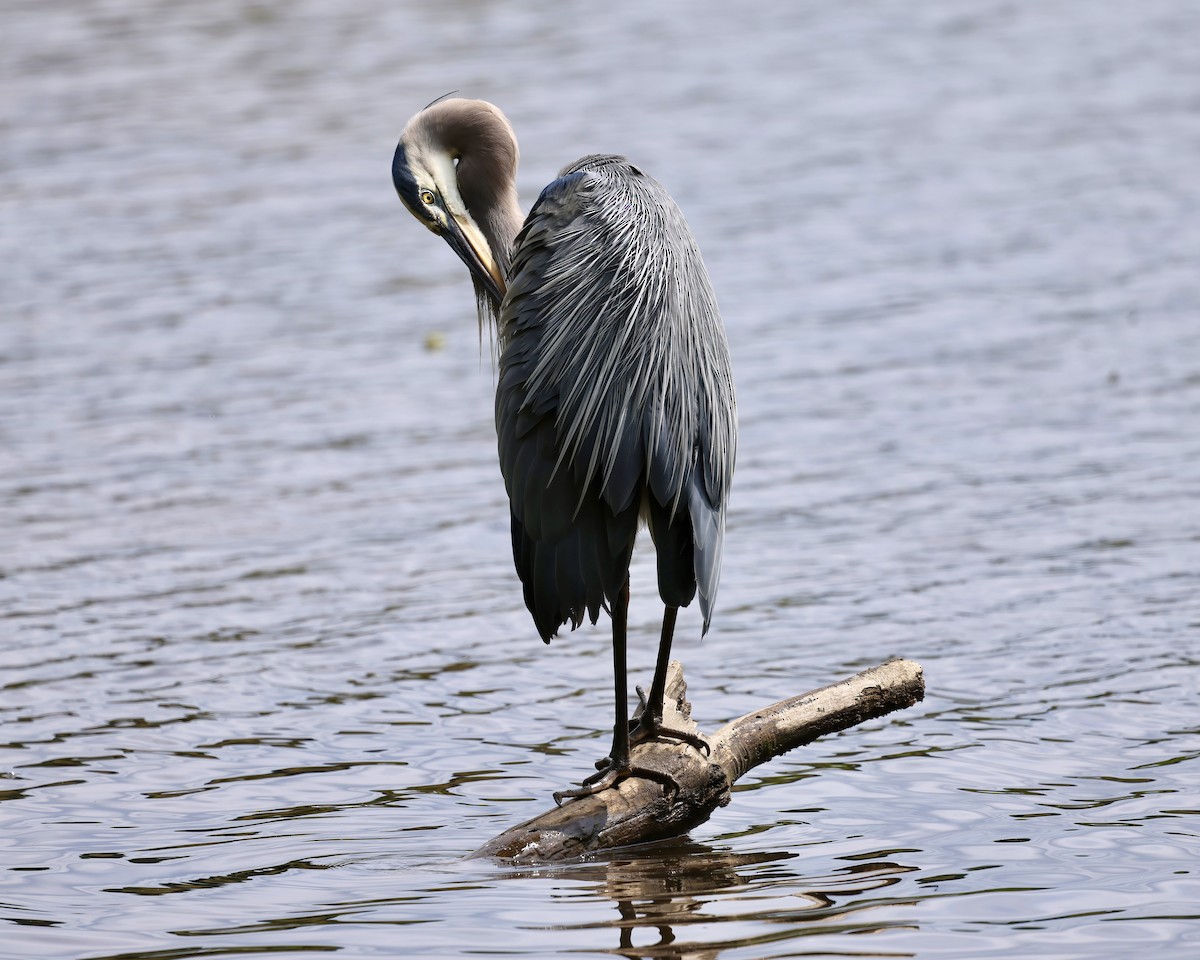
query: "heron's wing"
614, 381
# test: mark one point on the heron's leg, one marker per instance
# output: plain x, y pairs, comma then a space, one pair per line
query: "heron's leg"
619, 755
616, 767
649, 725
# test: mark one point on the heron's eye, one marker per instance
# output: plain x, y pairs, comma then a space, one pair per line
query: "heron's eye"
427, 197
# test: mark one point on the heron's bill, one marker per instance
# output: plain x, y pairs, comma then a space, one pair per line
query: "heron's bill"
466, 239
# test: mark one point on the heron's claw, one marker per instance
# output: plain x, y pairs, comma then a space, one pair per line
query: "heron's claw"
605, 777
648, 727
656, 731
610, 774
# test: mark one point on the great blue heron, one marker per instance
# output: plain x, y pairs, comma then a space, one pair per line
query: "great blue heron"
615, 396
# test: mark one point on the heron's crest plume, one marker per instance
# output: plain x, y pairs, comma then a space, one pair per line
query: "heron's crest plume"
444, 96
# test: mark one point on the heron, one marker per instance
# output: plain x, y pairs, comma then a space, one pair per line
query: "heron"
615, 403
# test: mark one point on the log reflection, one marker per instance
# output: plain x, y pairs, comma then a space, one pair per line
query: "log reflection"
674, 900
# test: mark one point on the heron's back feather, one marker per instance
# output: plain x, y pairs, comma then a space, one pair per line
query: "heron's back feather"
615, 388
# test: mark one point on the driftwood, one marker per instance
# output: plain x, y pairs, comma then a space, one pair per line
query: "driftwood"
639, 810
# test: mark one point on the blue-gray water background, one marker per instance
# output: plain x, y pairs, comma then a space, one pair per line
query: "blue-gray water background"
265, 673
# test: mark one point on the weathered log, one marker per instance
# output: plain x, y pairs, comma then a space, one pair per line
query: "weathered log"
639, 810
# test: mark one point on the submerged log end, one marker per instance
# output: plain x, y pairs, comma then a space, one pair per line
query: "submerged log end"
639, 810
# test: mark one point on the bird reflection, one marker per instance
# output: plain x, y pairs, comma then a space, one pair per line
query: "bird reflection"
661, 890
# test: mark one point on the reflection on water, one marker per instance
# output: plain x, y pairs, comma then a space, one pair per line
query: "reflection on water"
265, 675
678, 899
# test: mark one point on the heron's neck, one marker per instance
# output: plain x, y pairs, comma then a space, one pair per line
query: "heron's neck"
500, 224
487, 177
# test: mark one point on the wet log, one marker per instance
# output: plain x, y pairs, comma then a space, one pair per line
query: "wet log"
639, 810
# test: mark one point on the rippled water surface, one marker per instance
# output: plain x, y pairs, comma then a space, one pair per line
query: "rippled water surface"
265, 674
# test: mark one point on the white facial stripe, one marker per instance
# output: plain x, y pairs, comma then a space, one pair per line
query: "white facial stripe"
441, 167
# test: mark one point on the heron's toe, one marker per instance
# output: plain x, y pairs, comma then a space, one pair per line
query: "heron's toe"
647, 729
612, 774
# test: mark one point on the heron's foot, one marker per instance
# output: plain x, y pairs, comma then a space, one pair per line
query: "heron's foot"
609, 774
647, 726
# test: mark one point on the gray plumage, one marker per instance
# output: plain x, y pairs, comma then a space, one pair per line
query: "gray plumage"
615, 397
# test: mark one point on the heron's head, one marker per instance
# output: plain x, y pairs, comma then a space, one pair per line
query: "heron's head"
455, 169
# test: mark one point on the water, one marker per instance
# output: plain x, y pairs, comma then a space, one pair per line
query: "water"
266, 674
